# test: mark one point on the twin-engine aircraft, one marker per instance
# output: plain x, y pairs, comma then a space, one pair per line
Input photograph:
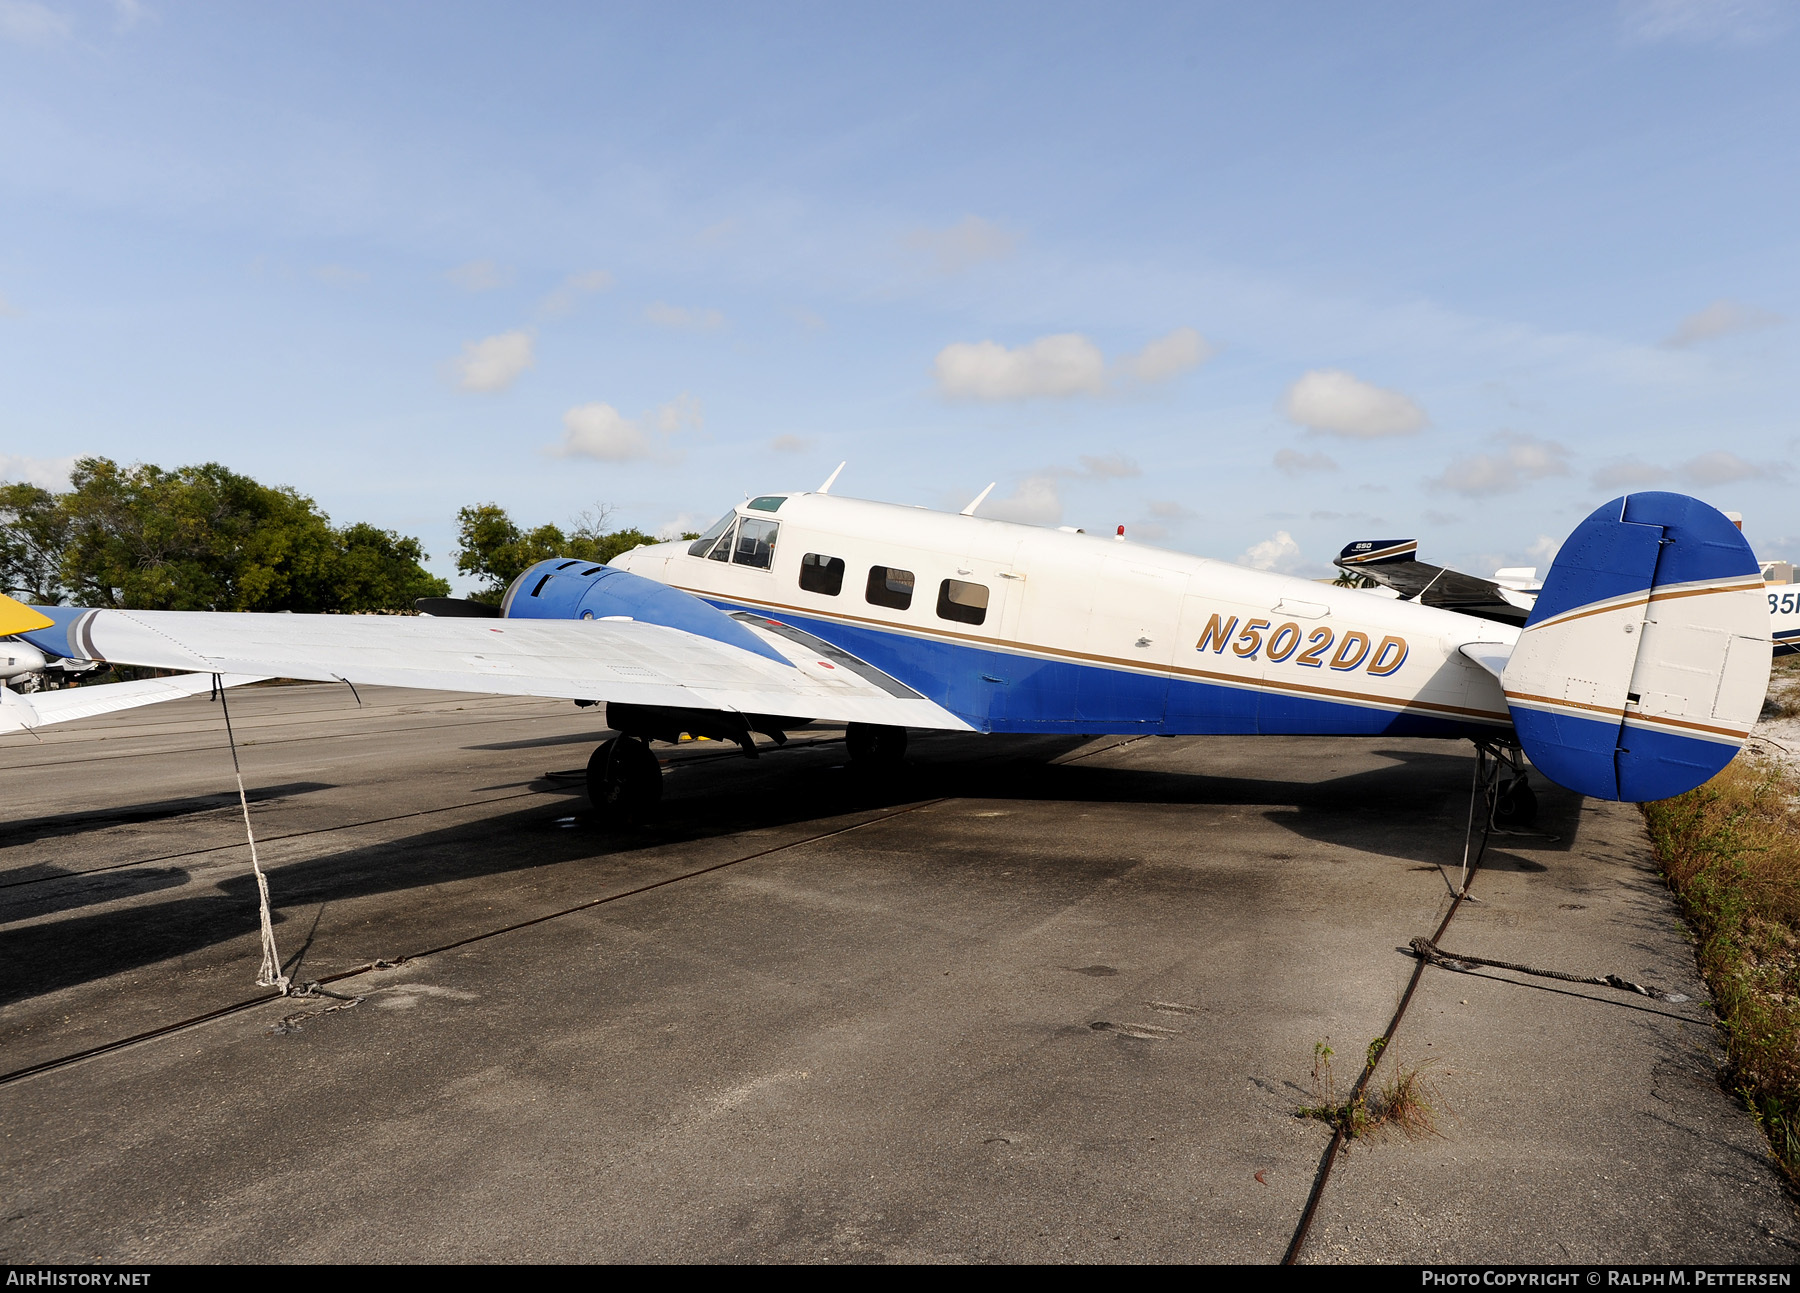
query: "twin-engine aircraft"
1636, 674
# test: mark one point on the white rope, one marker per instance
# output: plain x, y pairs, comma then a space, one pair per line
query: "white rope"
270, 976
1462, 889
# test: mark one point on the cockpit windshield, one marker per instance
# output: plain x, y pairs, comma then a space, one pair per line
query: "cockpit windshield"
701, 546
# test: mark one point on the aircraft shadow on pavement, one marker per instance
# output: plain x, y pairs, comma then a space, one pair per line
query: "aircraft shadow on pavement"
31, 829
1410, 809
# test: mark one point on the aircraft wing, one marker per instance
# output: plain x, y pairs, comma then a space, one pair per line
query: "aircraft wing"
1394, 564
20, 713
621, 660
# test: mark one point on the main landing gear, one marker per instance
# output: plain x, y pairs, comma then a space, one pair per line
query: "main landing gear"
874, 745
624, 780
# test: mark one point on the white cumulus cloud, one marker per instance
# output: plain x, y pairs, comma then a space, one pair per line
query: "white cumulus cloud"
568, 295
1066, 363
963, 245
1720, 319
45, 473
1518, 460
600, 431
494, 363
480, 276
676, 316
1168, 356
1277, 553
1340, 403
30, 23
1036, 501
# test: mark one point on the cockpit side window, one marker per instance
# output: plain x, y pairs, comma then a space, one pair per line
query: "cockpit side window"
703, 545
755, 543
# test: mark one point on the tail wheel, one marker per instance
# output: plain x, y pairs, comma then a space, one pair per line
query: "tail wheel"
624, 780
875, 745
1515, 804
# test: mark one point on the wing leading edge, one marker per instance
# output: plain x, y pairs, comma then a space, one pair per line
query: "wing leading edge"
625, 661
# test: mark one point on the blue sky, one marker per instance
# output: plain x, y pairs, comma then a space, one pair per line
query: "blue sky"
1253, 281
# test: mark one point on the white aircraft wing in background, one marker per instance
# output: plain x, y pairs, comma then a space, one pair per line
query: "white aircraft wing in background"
40, 709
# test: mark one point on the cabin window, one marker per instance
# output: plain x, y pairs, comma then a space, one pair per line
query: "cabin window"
703, 546
755, 543
889, 587
822, 574
721, 551
964, 603
767, 503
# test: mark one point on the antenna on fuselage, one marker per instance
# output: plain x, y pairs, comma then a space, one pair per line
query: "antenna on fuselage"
980, 498
832, 479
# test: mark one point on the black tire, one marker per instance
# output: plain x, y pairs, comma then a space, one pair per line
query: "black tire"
624, 781
875, 745
1515, 804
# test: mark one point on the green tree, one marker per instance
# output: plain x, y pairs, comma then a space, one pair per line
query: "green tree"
379, 570
492, 547
207, 538
34, 530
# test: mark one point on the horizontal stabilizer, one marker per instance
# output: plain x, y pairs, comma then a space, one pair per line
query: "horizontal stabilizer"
1491, 656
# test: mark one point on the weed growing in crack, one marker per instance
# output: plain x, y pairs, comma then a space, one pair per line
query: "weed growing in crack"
1403, 1103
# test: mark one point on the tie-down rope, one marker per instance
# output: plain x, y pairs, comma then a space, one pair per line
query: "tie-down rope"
1430, 952
270, 976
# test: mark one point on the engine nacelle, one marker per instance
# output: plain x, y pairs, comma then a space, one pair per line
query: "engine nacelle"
18, 658
564, 589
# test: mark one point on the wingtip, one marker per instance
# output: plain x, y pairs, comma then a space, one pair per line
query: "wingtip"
16, 617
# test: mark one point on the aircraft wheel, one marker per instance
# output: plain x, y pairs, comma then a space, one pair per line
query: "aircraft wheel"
624, 780
1516, 804
875, 744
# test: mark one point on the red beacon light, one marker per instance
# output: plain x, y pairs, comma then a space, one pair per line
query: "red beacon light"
1120, 534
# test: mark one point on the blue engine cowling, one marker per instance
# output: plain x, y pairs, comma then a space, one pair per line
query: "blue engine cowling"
563, 589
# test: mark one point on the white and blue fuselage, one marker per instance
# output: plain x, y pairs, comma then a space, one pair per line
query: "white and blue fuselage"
1018, 628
